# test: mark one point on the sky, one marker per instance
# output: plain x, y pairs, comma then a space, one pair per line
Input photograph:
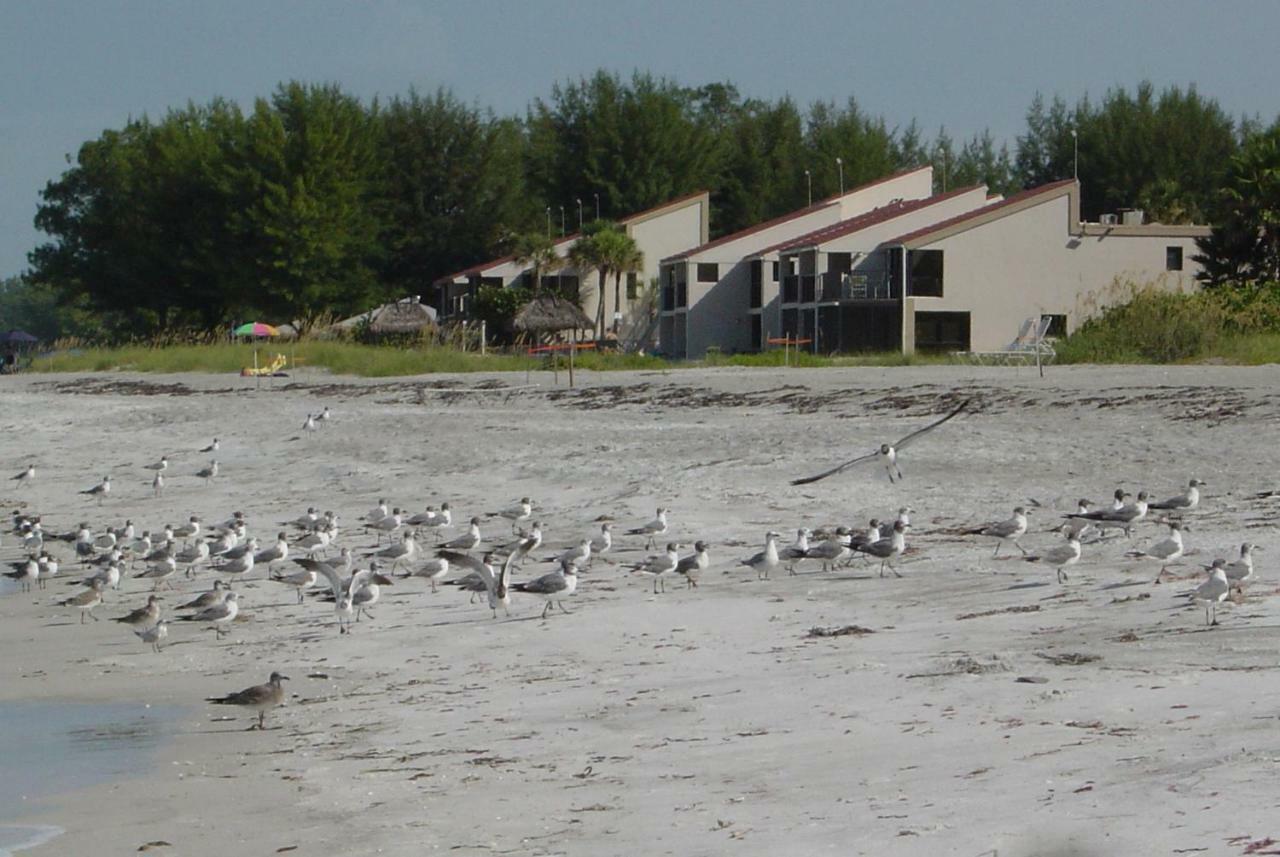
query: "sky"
71, 70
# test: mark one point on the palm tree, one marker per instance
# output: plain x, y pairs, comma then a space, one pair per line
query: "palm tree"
630, 258
590, 251
536, 251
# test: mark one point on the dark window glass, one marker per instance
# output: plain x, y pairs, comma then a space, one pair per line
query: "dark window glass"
708, 272
926, 273
1173, 258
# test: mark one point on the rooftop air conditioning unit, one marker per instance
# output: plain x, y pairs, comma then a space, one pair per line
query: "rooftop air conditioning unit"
1108, 219
1134, 217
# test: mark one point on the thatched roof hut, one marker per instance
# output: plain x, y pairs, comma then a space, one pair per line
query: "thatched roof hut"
551, 313
405, 316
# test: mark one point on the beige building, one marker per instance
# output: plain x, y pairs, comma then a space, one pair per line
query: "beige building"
959, 271
658, 232
723, 293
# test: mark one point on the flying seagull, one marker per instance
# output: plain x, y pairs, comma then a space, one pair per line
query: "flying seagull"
888, 452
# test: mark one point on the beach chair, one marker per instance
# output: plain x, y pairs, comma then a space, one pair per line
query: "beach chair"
1031, 344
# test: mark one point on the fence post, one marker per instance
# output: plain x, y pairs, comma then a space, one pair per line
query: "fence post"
483, 325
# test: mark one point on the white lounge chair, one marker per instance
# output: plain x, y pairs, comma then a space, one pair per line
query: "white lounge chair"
1030, 344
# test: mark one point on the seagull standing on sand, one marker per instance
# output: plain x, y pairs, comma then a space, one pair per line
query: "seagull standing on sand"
208, 473
377, 513
496, 585
797, 550
660, 565
159, 466
833, 550
1240, 572
300, 580
401, 553
432, 570
1005, 531
207, 599
693, 565
143, 617
26, 477
310, 425
654, 529
518, 513
213, 447
887, 549
160, 572
1123, 518
767, 560
26, 572
157, 484
577, 556
218, 615
154, 634
468, 541
99, 491
555, 586
260, 698
1185, 501
1063, 555
279, 552
886, 453
1212, 592
89, 599
602, 543
1166, 551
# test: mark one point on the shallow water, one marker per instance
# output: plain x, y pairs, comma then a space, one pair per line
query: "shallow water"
49, 748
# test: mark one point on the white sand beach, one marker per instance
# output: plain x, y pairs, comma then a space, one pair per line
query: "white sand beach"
979, 707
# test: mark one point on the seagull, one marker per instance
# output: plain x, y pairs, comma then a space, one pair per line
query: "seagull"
377, 513
432, 518
143, 617
433, 570
529, 542
497, 585
213, 447
304, 522
310, 424
887, 452
86, 601
279, 552
767, 560
314, 542
160, 572
865, 537
385, 525
48, 568
26, 572
1212, 592
659, 565
655, 528
207, 599
300, 580
1240, 572
342, 565
468, 541
192, 557
797, 550
241, 566
832, 551
403, 552
1005, 531
159, 466
208, 473
154, 634
1123, 518
602, 543
237, 551
26, 477
367, 593
157, 484
189, 530
1187, 500
693, 565
109, 576
260, 698
218, 615
325, 415
343, 592
553, 587
101, 490
1164, 552
1063, 555
577, 556
886, 549
522, 511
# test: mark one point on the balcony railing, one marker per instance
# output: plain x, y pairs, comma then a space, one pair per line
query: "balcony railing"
867, 287
807, 288
790, 289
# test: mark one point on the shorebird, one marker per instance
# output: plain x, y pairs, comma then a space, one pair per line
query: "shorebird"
655, 528
1164, 552
401, 553
160, 572
366, 594
385, 526
1187, 500
192, 557
48, 569
528, 543
279, 552
1123, 518
304, 522
432, 518
483, 578
101, 490
602, 543
157, 484
865, 537
468, 541
659, 565
109, 576
189, 530
1063, 555
1212, 592
1005, 531
341, 566
693, 565
310, 424
159, 466
154, 634
26, 477
299, 580
236, 550
86, 601
218, 615
314, 542
260, 698
1240, 572
213, 447
888, 548
343, 593
26, 572
207, 599
325, 415
832, 551
555, 586
577, 556
433, 570
377, 513
797, 550
143, 617
886, 453
767, 560
522, 511
208, 473
241, 566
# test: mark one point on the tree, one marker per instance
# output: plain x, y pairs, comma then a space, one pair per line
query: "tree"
1245, 243
594, 250
535, 250
628, 259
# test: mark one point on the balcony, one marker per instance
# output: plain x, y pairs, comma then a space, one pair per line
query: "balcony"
790, 289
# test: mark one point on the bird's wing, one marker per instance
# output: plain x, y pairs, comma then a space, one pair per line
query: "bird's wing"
930, 427
838, 468
331, 575
470, 563
358, 580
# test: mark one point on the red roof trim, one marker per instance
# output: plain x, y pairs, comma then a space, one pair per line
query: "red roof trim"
980, 212
863, 221
799, 212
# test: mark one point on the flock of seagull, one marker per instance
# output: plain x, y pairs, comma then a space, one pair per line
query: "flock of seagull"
310, 555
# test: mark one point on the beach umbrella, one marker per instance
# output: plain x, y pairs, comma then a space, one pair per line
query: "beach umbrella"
17, 337
255, 328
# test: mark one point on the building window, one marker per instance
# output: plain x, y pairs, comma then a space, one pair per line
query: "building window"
682, 295
757, 287
1057, 325
926, 273
708, 272
942, 331
775, 272
1173, 258
632, 288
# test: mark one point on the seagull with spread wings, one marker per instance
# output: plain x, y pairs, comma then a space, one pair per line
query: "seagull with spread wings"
886, 452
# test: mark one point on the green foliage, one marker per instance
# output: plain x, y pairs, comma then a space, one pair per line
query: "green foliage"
497, 306
39, 310
1245, 244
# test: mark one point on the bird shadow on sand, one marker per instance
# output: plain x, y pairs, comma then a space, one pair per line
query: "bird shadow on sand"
1035, 584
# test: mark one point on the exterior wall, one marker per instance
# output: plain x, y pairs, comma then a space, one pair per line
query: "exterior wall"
917, 184
719, 317
1039, 260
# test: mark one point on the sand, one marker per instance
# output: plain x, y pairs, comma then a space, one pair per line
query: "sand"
988, 710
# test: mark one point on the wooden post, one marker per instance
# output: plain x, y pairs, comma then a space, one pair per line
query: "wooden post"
483, 324
257, 379
573, 346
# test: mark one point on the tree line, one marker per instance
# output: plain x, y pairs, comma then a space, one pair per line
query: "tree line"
314, 202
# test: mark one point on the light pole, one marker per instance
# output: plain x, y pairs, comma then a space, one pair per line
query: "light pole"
548, 221
597, 196
562, 221
1075, 155
808, 180
840, 166
579, 201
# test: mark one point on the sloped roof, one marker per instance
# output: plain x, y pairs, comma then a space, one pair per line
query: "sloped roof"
994, 211
551, 312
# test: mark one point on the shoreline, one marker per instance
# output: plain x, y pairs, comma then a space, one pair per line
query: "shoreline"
699, 720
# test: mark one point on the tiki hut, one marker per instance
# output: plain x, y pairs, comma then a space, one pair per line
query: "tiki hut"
405, 317
553, 314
